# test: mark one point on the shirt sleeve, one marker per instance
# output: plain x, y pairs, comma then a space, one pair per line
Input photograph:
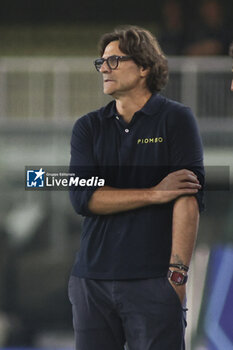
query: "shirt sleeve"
185, 146
82, 165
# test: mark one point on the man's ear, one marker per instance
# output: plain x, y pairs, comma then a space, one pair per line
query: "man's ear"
144, 71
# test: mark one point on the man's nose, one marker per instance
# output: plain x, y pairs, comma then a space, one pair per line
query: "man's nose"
232, 85
105, 68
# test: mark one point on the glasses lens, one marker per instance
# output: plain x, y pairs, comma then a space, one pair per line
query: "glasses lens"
112, 62
98, 63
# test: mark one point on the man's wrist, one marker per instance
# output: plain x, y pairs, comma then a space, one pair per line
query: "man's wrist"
155, 196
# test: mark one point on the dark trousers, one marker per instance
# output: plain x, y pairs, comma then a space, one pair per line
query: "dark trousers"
146, 314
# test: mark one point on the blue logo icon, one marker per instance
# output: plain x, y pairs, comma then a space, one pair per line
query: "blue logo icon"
35, 178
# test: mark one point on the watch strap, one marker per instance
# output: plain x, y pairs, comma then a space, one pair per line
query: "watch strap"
180, 267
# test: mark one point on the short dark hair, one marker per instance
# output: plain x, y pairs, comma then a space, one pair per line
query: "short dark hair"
145, 51
231, 49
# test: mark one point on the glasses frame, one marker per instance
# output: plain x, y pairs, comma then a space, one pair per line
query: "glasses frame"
100, 61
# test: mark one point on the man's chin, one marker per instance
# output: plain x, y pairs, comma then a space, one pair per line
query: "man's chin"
109, 92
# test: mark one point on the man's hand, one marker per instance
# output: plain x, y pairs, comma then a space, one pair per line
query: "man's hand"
176, 184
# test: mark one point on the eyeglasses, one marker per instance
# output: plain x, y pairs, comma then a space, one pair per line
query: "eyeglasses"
112, 61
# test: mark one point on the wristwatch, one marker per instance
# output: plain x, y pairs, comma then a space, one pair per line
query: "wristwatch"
177, 277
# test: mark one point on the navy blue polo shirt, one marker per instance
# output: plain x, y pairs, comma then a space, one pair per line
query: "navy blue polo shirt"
161, 137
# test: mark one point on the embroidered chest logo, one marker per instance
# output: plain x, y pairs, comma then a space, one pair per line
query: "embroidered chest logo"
150, 140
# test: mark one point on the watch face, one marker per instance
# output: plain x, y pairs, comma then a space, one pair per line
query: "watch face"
177, 277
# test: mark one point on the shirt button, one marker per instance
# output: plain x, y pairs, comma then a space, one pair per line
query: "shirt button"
127, 130
117, 117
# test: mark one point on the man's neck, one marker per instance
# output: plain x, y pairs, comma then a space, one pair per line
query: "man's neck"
128, 105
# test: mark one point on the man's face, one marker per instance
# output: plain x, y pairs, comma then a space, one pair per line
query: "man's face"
126, 78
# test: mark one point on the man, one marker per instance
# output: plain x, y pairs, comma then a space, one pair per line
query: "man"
145, 218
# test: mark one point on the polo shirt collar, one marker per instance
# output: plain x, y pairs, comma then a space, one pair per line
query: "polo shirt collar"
153, 104
151, 107
109, 110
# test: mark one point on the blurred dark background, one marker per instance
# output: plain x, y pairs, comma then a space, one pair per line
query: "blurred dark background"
73, 27
29, 11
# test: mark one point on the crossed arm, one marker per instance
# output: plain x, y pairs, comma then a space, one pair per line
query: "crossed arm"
181, 186
109, 200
